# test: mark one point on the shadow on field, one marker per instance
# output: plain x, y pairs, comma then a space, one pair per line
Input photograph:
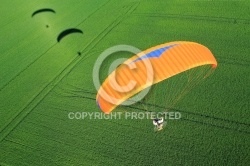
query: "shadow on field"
42, 11
68, 32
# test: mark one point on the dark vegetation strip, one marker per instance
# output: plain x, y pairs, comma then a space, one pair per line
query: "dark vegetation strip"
195, 17
234, 61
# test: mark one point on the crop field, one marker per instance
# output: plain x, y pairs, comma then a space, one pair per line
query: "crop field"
45, 77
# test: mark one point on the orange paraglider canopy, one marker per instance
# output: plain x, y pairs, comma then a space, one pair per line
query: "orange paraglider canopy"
166, 60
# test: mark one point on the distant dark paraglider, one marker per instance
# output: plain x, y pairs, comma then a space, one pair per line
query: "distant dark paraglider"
43, 10
67, 32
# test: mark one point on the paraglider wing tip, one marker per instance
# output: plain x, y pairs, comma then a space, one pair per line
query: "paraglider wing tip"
97, 102
214, 66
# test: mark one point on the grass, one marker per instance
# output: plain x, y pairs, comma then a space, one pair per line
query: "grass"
42, 81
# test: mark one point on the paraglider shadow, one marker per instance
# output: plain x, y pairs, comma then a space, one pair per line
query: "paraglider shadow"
42, 11
68, 32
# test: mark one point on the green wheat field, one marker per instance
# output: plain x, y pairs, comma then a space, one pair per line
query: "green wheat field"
43, 80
